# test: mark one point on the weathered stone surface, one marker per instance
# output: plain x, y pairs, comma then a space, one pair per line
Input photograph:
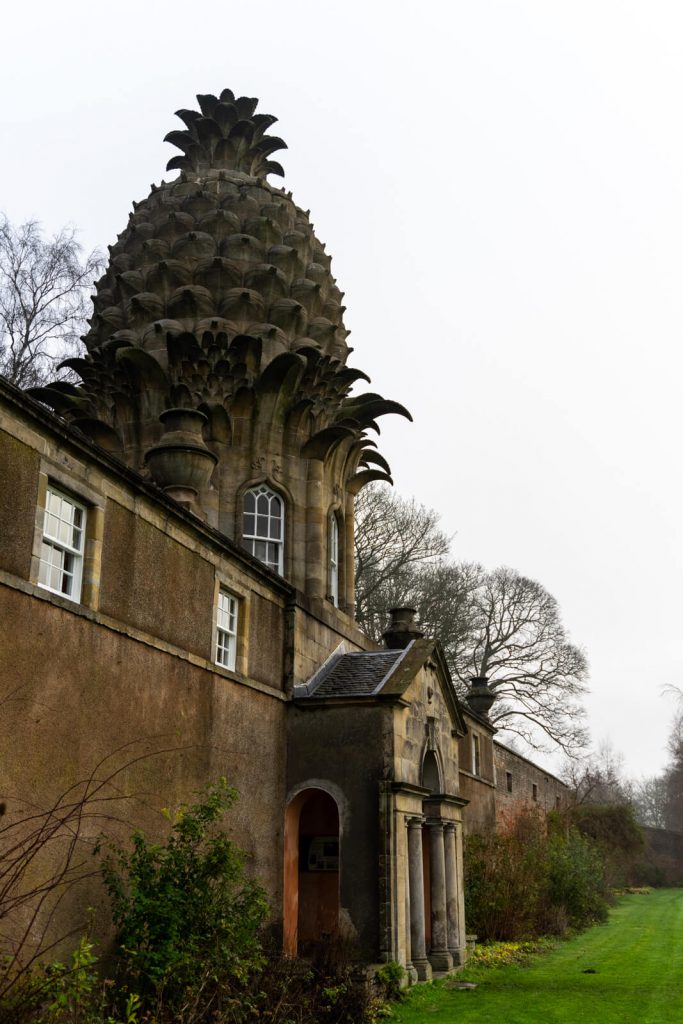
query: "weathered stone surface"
91, 692
266, 652
18, 472
155, 583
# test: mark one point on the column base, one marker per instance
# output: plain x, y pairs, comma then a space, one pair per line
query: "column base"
412, 974
441, 960
424, 970
459, 956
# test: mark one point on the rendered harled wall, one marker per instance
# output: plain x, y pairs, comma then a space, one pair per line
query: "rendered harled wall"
125, 679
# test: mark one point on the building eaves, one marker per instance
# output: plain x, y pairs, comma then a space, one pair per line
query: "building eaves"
79, 442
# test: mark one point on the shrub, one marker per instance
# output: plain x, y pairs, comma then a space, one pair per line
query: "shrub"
530, 880
613, 829
389, 978
504, 877
187, 917
575, 879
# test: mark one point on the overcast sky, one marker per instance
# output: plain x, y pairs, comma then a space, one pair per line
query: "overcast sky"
501, 188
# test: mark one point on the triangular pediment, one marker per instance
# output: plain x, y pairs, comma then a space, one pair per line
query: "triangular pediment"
419, 654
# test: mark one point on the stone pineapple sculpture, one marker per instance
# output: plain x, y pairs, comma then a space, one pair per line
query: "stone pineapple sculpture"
219, 298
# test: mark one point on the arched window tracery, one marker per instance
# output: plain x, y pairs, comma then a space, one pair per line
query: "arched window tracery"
263, 526
333, 533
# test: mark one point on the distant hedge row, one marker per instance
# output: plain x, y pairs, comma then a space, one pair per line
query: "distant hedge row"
543, 876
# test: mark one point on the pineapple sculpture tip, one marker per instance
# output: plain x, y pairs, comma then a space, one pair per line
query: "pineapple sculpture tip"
226, 133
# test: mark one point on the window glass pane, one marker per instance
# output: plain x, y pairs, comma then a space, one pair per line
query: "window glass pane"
51, 525
45, 568
275, 526
261, 526
272, 556
249, 521
64, 533
262, 505
249, 502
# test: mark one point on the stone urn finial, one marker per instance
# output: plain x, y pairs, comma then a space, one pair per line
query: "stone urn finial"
402, 628
480, 696
180, 463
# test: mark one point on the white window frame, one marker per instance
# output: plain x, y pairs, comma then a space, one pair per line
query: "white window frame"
227, 613
476, 754
333, 528
62, 547
265, 539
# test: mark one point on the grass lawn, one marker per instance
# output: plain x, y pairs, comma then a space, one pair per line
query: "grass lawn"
637, 957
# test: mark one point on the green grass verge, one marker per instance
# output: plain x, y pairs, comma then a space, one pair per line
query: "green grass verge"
637, 957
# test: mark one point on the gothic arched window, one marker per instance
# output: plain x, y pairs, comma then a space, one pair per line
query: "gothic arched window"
263, 526
334, 558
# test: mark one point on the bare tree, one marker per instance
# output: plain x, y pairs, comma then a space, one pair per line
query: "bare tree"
658, 799
44, 290
650, 800
445, 595
394, 539
597, 777
517, 640
497, 624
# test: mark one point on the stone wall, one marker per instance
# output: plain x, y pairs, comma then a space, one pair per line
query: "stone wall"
520, 784
477, 777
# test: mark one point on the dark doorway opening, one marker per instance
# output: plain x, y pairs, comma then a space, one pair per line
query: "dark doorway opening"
311, 897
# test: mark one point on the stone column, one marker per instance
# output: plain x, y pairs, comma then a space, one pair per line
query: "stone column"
347, 598
440, 958
456, 939
316, 560
460, 874
418, 948
410, 970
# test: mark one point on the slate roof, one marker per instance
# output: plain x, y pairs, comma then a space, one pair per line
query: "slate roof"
357, 675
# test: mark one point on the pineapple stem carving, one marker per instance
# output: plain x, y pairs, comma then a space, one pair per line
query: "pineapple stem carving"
226, 133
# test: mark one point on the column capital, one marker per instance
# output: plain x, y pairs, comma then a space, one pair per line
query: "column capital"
414, 822
450, 826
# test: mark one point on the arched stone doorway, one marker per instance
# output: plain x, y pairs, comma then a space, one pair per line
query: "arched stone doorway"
311, 875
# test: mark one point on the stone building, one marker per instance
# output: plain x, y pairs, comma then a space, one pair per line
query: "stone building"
177, 575
176, 569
